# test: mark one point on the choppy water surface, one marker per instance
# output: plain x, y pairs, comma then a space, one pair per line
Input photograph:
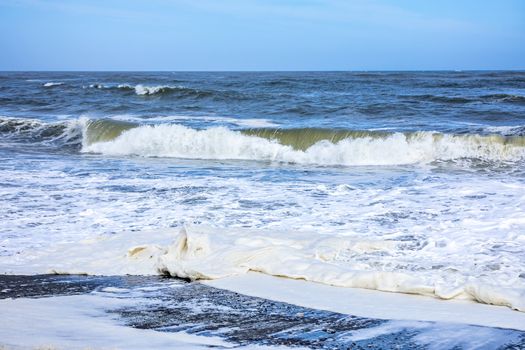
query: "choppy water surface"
435, 160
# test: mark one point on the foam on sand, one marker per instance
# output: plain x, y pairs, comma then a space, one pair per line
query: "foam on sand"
81, 322
202, 252
370, 303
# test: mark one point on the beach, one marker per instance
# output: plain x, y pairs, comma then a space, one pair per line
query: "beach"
323, 210
134, 312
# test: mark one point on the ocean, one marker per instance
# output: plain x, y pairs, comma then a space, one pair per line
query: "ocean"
410, 182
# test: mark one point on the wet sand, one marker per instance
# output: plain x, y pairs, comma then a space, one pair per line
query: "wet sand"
167, 305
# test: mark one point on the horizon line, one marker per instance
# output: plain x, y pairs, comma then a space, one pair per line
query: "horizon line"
259, 71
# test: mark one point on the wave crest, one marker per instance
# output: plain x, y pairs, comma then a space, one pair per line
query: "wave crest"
51, 84
152, 90
144, 90
299, 146
37, 132
309, 146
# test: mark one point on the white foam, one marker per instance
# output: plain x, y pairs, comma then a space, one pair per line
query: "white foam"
249, 122
440, 336
150, 90
207, 253
221, 143
506, 130
471, 223
201, 252
139, 89
468, 225
254, 123
97, 255
49, 84
81, 322
370, 303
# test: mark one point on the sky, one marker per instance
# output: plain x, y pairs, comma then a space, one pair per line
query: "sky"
254, 35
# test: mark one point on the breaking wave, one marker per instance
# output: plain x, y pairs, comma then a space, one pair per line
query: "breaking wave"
144, 90
51, 84
153, 90
150, 90
61, 134
299, 146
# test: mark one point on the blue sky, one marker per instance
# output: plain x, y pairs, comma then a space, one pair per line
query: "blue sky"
261, 34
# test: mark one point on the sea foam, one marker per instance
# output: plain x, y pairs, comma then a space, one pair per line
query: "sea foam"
201, 252
50, 84
151, 90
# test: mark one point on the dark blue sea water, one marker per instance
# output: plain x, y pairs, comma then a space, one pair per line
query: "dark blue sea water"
440, 101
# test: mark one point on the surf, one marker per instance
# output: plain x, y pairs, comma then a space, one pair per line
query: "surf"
315, 146
299, 146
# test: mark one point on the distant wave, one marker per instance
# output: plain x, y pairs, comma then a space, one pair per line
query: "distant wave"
50, 84
178, 91
144, 90
509, 98
150, 90
153, 90
99, 86
502, 98
507, 130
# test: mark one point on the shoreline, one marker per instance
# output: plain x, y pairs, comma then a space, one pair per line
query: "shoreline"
72, 311
386, 305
